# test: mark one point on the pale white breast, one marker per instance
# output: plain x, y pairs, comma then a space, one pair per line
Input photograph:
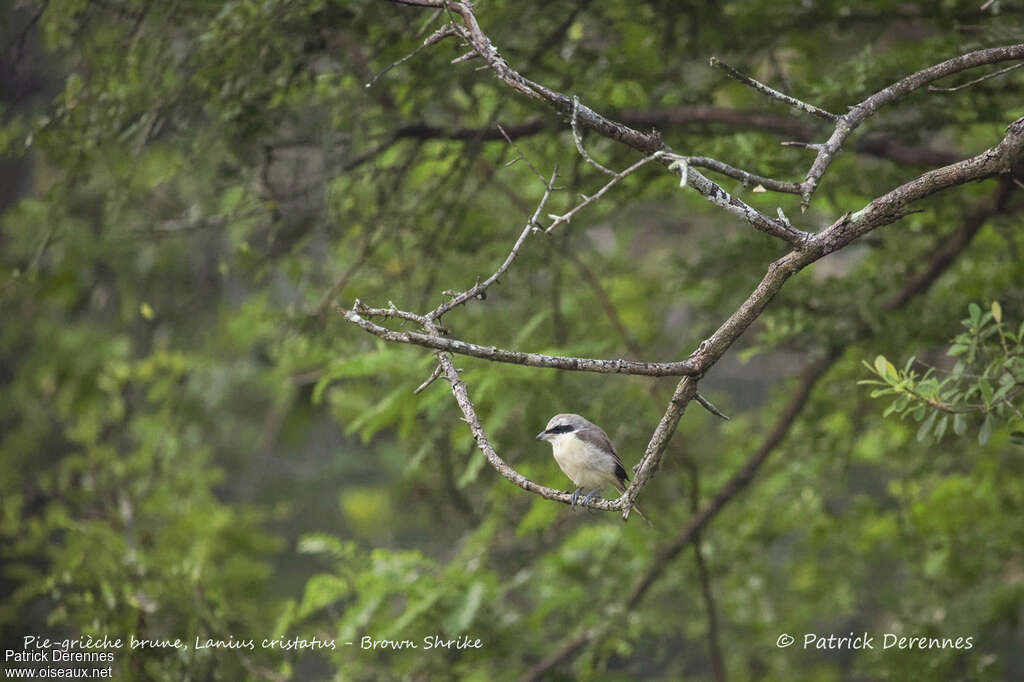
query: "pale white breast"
587, 466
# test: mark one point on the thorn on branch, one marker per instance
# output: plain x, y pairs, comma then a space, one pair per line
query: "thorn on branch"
706, 404
783, 218
431, 379
472, 54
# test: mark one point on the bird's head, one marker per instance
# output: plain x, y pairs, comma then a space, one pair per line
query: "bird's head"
560, 425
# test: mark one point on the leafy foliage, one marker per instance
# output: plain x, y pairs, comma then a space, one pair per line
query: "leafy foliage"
986, 378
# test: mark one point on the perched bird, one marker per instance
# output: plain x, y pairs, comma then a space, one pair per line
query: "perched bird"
586, 455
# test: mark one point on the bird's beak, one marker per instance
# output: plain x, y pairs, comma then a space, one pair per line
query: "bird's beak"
542, 435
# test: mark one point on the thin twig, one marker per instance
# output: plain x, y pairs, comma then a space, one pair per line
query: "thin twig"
690, 177
480, 287
706, 404
578, 139
522, 156
772, 92
432, 39
431, 379
1000, 72
901, 88
748, 179
587, 200
493, 353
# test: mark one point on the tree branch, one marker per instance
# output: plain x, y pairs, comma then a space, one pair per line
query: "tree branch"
719, 197
748, 179
493, 353
771, 92
480, 287
859, 112
980, 79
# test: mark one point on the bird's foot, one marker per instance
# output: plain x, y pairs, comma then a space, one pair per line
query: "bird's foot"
575, 497
588, 498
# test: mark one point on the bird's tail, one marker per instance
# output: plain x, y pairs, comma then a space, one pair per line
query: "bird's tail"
635, 507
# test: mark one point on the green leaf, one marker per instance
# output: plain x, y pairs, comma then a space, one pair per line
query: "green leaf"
1002, 391
957, 349
959, 424
986, 431
975, 312
886, 370
986, 390
997, 311
926, 427
940, 427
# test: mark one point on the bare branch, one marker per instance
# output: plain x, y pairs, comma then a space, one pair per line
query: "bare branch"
438, 342
617, 177
522, 156
706, 404
881, 211
480, 287
472, 34
431, 379
500, 465
1000, 72
748, 179
718, 196
390, 311
773, 93
858, 113
432, 39
889, 207
579, 139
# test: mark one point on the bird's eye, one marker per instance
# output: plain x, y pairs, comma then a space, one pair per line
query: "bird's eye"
561, 428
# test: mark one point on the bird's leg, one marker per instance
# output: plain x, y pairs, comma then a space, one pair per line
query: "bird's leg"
589, 497
575, 497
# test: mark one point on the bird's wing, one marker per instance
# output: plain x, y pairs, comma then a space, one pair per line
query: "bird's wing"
596, 436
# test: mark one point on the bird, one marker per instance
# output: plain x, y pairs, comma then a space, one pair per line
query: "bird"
586, 455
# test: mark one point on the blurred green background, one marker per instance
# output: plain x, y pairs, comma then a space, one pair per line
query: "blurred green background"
193, 443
